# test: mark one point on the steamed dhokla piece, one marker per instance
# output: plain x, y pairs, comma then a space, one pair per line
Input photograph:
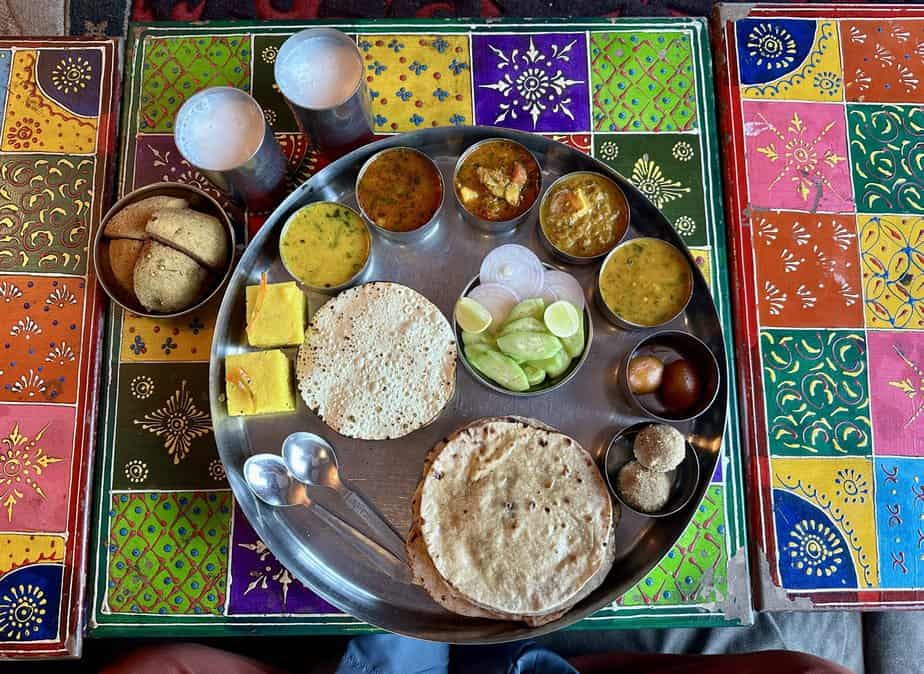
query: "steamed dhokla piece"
123, 254
277, 318
259, 382
165, 279
199, 235
131, 221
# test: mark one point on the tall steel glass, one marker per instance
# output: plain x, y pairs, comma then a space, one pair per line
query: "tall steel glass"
320, 73
223, 133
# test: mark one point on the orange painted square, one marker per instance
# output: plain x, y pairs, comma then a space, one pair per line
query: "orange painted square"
884, 60
808, 270
40, 338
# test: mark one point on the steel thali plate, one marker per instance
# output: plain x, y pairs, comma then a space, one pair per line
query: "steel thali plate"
590, 407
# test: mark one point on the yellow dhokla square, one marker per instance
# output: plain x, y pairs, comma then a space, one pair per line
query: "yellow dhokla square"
280, 320
259, 382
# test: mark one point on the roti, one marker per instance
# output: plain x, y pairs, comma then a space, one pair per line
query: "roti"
515, 519
378, 362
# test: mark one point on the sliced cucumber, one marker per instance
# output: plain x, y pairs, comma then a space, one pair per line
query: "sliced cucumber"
529, 345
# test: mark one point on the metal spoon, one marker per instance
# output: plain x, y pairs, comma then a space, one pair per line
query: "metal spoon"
270, 481
312, 460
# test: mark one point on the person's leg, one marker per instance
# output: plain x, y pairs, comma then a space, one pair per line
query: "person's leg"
841, 641
391, 654
893, 641
187, 659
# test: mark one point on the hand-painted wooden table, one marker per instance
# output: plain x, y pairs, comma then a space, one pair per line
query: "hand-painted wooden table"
172, 553
823, 111
57, 138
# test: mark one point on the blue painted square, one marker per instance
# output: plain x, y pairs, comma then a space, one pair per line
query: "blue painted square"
6, 61
900, 521
771, 48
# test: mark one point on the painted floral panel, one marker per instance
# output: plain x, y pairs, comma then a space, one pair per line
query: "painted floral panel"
55, 107
177, 67
265, 89
168, 552
36, 450
643, 81
668, 169
887, 155
896, 380
808, 270
892, 249
163, 435
825, 523
31, 573
789, 59
884, 60
796, 156
185, 338
418, 81
900, 517
45, 207
532, 82
41, 321
260, 585
816, 394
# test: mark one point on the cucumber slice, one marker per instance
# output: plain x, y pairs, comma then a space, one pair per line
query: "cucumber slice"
574, 344
497, 367
534, 375
531, 308
486, 338
527, 324
555, 366
529, 345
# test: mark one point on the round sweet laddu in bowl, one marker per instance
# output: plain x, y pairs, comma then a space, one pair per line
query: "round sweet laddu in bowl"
685, 387
650, 493
164, 250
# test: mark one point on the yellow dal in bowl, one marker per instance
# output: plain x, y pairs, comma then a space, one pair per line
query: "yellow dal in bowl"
646, 281
325, 244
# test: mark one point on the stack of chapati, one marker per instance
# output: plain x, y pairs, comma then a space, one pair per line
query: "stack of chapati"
378, 362
512, 521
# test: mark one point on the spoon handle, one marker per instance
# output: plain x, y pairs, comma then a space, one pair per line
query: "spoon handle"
362, 543
384, 530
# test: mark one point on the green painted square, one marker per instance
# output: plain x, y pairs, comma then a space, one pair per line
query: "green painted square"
887, 157
183, 569
694, 570
816, 392
642, 81
668, 169
177, 67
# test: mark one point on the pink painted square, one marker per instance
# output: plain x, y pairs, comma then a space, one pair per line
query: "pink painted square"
36, 451
796, 155
896, 380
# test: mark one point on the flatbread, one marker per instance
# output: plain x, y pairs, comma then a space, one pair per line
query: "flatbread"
123, 254
166, 280
378, 362
199, 235
516, 519
131, 221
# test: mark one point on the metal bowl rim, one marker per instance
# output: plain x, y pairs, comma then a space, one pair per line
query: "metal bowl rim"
304, 34
152, 190
210, 91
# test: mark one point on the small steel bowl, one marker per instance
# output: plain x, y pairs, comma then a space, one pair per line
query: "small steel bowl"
618, 320
414, 235
491, 226
545, 386
685, 477
356, 279
669, 345
199, 201
558, 252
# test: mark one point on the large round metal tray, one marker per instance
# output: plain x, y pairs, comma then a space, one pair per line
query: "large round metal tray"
590, 407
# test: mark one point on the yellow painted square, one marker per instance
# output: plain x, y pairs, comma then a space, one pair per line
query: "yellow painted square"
843, 490
185, 338
702, 256
418, 81
820, 76
892, 255
23, 549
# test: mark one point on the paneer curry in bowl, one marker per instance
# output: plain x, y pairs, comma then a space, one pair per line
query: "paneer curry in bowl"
497, 182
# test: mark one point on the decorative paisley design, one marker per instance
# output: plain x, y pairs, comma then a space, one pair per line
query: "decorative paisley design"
816, 392
812, 552
892, 251
887, 151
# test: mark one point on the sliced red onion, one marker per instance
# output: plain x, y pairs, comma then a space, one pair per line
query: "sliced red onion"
515, 267
497, 299
565, 286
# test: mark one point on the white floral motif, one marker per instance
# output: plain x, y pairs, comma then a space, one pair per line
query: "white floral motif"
60, 297
609, 150
530, 85
60, 354
269, 54
815, 549
31, 384
772, 45
856, 35
800, 234
806, 297
682, 151
775, 297
862, 80
883, 55
768, 230
26, 328
9, 292
907, 78
848, 293
843, 237
217, 470
790, 261
136, 471
685, 225
142, 387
